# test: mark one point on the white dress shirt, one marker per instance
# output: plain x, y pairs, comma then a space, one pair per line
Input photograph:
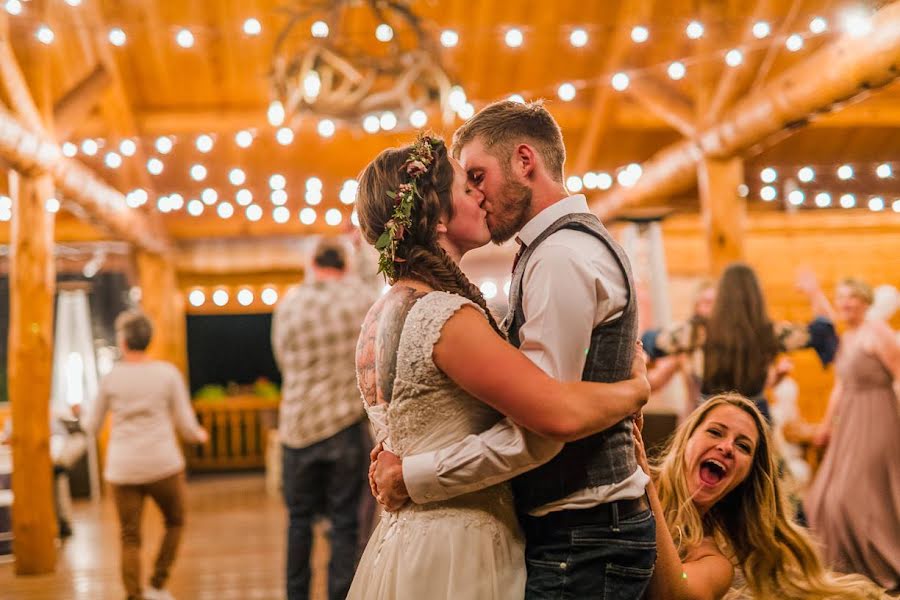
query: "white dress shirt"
571, 284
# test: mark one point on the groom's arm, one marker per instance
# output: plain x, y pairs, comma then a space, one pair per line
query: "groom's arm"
563, 294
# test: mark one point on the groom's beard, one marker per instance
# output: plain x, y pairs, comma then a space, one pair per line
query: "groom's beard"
511, 212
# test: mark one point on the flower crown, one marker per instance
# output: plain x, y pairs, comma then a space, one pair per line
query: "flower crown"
419, 161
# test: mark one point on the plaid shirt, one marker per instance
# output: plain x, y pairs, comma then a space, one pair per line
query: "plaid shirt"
314, 333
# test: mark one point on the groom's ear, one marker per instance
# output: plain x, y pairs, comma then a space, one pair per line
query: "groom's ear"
525, 160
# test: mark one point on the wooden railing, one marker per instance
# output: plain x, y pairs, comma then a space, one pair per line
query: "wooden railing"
238, 428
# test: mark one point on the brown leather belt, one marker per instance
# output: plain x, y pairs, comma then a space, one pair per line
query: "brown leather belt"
601, 515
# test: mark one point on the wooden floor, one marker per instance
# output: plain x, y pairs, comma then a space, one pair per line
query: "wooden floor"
233, 548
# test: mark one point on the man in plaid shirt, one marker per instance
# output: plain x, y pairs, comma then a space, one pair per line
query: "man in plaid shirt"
322, 421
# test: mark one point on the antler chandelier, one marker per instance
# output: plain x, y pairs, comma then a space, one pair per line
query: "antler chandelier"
338, 76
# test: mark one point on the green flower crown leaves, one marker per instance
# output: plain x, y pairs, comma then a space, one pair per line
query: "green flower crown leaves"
419, 161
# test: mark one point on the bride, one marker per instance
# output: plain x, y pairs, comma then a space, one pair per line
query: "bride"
434, 368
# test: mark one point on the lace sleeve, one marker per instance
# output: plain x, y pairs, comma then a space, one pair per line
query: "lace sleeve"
422, 331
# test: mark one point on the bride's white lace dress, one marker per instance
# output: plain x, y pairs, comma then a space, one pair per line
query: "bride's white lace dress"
469, 547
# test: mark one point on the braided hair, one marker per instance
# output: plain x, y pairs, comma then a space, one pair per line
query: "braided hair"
418, 254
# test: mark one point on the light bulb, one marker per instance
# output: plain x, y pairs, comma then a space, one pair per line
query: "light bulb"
252, 27
514, 38
449, 38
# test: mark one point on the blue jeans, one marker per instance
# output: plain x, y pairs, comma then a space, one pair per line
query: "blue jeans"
329, 475
572, 558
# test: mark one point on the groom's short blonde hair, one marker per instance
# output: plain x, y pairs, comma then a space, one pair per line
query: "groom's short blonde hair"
502, 125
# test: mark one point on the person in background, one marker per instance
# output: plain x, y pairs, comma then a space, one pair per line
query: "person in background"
661, 372
322, 426
149, 402
854, 502
735, 349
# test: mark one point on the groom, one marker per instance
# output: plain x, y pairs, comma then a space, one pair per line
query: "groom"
573, 312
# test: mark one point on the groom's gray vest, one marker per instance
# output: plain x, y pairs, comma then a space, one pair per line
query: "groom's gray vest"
606, 457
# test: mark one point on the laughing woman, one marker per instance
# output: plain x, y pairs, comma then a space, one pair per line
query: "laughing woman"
726, 530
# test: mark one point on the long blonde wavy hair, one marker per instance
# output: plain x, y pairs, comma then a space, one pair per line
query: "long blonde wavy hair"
751, 524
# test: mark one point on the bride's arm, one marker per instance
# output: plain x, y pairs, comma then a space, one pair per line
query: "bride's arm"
486, 366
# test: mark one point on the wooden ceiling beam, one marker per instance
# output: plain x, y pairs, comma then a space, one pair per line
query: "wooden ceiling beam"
736, 79
841, 71
599, 116
665, 102
776, 45
77, 103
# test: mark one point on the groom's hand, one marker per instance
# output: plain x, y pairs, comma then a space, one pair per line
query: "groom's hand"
390, 490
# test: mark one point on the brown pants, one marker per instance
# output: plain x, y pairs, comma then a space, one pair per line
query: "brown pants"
168, 494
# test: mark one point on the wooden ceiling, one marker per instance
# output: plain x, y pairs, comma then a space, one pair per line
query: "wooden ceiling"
221, 86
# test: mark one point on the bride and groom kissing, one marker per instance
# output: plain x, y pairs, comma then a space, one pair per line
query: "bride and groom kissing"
507, 464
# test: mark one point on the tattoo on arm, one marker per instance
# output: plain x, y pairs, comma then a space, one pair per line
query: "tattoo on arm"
376, 352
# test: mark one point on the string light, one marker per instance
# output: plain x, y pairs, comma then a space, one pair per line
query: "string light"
354, 218
308, 216
806, 174
89, 147
319, 29
225, 210
73, 2
197, 298
163, 144
243, 138
734, 58
154, 166
45, 35
269, 296
195, 208
694, 30
514, 38
252, 27
277, 181
117, 37
823, 199
676, 71
604, 181
578, 38
768, 175
857, 23
384, 33
818, 25
284, 136
466, 111
794, 43
418, 118
198, 172
517, 98
313, 197
845, 172
204, 143
281, 215
348, 191
243, 197
895, 205
333, 217
639, 34
113, 160
883, 171
237, 176
488, 289
275, 113
371, 124
184, 38
209, 196
13, 7
848, 201
768, 193
449, 38
52, 205
220, 297
620, 82
279, 197
574, 184
245, 297
876, 203
176, 201
69, 149
796, 197
566, 92
387, 121
254, 212
127, 147
326, 128
314, 183
761, 30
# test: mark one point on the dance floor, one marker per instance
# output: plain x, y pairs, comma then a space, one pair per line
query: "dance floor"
233, 548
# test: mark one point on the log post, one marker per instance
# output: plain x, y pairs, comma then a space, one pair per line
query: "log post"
32, 280
159, 299
724, 210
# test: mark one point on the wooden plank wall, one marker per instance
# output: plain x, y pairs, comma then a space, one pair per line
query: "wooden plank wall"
834, 243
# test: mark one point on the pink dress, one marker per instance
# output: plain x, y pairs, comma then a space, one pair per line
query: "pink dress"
854, 502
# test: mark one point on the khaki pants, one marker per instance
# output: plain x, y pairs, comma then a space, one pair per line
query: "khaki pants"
168, 494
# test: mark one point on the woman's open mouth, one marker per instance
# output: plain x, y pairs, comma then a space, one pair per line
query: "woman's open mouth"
712, 472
